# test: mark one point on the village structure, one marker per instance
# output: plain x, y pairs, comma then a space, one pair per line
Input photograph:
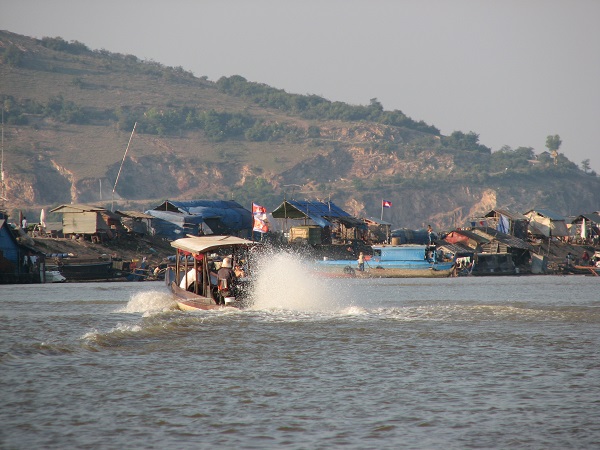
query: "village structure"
500, 242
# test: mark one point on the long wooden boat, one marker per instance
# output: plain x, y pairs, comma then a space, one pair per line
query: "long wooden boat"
390, 261
584, 270
83, 269
193, 279
439, 270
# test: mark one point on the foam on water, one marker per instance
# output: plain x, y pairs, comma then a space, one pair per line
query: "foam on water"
286, 282
149, 302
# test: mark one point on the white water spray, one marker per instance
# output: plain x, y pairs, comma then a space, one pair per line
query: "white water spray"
285, 281
149, 302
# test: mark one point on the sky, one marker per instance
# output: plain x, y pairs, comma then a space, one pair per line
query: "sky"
511, 71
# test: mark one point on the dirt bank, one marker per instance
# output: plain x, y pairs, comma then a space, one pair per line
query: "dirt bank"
126, 248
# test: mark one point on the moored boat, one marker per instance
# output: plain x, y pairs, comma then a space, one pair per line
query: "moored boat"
194, 279
54, 276
583, 270
391, 261
83, 269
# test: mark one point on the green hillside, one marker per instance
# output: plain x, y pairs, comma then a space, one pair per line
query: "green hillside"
69, 112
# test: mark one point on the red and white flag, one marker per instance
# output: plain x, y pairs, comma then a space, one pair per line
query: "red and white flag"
386, 204
261, 223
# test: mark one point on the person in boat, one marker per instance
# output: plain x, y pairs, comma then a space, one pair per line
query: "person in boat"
239, 270
585, 258
226, 278
569, 259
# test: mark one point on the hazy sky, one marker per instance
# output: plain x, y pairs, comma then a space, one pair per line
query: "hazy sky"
512, 71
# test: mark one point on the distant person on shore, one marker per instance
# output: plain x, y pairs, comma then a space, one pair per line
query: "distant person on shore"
361, 262
24, 223
430, 234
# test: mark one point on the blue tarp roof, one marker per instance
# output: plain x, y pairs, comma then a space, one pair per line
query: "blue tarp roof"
177, 218
321, 213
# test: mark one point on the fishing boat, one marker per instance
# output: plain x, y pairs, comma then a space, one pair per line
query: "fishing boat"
391, 261
193, 279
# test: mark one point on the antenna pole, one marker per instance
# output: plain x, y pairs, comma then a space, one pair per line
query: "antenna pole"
2, 159
2, 156
112, 208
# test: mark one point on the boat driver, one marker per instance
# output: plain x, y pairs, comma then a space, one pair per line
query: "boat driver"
226, 276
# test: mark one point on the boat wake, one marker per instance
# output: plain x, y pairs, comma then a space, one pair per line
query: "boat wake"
149, 302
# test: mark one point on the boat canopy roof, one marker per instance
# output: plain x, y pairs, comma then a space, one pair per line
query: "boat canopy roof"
203, 244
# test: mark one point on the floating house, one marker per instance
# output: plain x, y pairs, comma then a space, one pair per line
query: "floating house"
494, 252
174, 219
505, 221
136, 222
586, 227
335, 224
379, 230
19, 263
88, 220
546, 223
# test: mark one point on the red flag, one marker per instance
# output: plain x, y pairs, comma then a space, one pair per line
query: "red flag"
386, 204
261, 223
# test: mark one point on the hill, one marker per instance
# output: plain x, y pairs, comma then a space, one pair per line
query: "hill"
69, 113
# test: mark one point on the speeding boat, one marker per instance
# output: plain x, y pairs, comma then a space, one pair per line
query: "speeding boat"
194, 280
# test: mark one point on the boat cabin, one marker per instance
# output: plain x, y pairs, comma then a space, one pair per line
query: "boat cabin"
194, 278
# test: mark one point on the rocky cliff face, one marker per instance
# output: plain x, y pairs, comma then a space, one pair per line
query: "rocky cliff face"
426, 186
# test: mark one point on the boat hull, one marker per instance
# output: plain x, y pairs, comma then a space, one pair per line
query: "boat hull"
188, 301
584, 270
439, 270
84, 270
430, 272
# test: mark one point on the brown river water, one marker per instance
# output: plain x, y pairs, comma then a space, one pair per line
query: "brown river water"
457, 363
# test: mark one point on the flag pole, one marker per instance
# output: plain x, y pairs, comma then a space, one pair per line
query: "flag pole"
252, 209
381, 209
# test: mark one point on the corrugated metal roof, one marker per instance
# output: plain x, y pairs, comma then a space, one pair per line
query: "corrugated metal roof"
222, 216
546, 213
455, 248
479, 238
323, 214
505, 212
508, 239
77, 208
134, 214
593, 217
376, 221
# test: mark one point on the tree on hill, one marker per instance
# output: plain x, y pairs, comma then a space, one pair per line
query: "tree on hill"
585, 165
553, 144
12, 56
469, 142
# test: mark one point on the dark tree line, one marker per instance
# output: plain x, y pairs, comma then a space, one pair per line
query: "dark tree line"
315, 107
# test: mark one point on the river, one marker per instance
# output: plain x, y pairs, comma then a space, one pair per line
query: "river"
457, 363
